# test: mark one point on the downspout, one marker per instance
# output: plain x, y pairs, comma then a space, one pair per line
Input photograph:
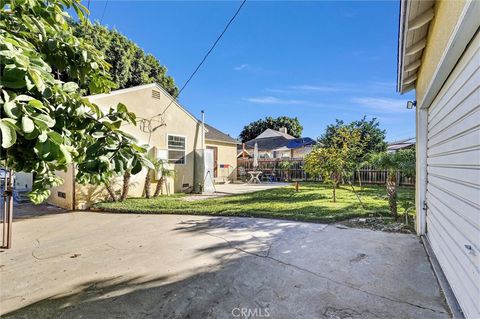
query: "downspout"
74, 191
203, 129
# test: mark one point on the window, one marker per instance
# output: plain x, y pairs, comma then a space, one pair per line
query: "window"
176, 149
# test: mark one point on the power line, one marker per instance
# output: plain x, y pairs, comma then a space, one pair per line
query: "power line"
206, 55
103, 13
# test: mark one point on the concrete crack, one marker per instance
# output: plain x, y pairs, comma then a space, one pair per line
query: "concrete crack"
344, 284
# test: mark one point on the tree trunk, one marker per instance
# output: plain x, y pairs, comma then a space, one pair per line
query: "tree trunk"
110, 191
158, 188
334, 192
126, 185
335, 181
359, 179
392, 193
147, 185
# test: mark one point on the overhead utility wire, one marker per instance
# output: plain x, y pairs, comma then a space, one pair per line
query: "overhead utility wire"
103, 13
206, 55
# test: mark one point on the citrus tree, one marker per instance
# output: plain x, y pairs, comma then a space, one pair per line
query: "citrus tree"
337, 160
402, 161
47, 124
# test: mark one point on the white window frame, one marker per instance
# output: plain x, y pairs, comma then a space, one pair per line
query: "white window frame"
168, 150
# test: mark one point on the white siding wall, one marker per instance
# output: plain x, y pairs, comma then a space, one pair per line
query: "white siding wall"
453, 179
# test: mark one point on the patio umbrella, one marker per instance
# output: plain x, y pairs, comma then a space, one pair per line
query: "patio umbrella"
255, 155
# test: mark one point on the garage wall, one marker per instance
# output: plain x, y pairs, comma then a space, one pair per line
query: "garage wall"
453, 179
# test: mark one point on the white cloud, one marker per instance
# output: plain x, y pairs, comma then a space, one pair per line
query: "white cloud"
382, 105
316, 88
273, 100
240, 67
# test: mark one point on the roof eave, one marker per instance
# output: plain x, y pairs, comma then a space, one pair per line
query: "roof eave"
402, 26
220, 141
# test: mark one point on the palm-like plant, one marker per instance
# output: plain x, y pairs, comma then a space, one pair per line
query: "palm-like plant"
165, 172
148, 177
126, 184
394, 163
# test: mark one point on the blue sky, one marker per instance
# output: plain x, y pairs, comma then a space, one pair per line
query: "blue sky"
315, 60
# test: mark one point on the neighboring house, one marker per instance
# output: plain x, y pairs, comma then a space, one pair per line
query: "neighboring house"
394, 147
277, 144
439, 57
224, 153
176, 141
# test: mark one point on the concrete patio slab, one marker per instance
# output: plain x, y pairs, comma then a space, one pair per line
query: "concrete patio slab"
92, 265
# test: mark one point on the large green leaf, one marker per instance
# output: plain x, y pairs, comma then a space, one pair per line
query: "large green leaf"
70, 87
36, 78
9, 135
12, 110
55, 137
27, 125
13, 77
43, 119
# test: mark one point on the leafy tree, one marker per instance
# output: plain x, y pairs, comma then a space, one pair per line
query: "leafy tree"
334, 161
371, 135
401, 161
130, 65
372, 139
46, 123
254, 129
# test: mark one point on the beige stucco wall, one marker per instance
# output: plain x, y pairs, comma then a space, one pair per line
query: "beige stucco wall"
227, 154
447, 13
66, 188
141, 102
177, 120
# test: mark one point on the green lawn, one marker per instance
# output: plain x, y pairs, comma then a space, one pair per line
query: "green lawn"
312, 203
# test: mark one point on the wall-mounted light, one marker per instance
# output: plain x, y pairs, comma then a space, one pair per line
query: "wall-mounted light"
411, 104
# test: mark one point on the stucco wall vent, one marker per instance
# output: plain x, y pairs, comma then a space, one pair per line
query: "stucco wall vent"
156, 94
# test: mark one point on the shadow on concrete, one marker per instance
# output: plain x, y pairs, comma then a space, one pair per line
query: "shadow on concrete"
245, 277
29, 210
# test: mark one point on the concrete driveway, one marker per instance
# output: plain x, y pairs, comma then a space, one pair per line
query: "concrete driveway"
92, 265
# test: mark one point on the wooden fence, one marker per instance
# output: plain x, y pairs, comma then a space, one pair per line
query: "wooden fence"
295, 171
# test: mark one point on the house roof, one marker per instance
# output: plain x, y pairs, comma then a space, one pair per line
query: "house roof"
415, 17
267, 143
396, 145
274, 133
277, 142
212, 134
141, 87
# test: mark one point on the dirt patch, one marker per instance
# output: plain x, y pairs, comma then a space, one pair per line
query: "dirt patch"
386, 224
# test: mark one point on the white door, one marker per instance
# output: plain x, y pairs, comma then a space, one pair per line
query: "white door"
453, 179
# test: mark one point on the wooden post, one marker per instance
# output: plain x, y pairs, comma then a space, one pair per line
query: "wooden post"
297, 186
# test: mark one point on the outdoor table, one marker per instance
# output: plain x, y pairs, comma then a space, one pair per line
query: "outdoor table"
254, 177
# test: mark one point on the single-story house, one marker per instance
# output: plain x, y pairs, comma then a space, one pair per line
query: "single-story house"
177, 141
439, 58
277, 144
395, 146
224, 153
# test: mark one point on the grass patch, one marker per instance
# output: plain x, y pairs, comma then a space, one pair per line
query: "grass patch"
312, 203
